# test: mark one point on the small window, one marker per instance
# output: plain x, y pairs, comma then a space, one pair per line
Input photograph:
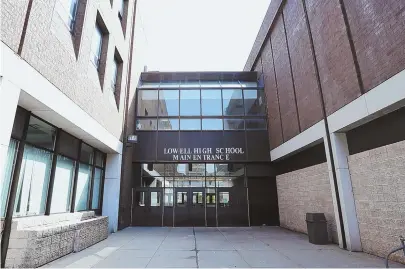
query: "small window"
155, 198
67, 10
190, 103
190, 124
121, 10
234, 124
168, 124
140, 198
114, 76
212, 124
96, 46
146, 124
148, 103
223, 198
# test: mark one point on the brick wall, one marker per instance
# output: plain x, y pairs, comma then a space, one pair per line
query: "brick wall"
302, 191
64, 58
378, 180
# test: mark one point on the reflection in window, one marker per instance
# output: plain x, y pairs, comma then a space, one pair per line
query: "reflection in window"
254, 102
234, 124
5, 178
83, 187
168, 124
255, 124
41, 133
151, 181
155, 198
210, 197
211, 102
61, 193
140, 198
146, 124
147, 103
86, 154
210, 169
197, 169
230, 169
223, 198
168, 103
95, 203
197, 197
181, 198
190, 103
212, 124
168, 197
67, 10
190, 124
225, 182
33, 182
232, 102
96, 46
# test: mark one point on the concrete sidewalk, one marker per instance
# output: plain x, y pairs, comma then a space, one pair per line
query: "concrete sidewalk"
213, 247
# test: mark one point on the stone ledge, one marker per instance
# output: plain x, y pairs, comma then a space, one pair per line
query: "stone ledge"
35, 241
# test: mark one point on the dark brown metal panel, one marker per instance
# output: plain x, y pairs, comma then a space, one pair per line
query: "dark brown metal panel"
145, 150
334, 58
166, 140
270, 88
303, 66
377, 29
257, 146
288, 110
236, 139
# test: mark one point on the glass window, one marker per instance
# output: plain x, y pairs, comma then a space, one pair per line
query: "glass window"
99, 159
41, 134
5, 178
197, 169
248, 84
149, 85
168, 103
152, 181
114, 75
224, 169
210, 84
33, 182
63, 182
190, 84
197, 198
170, 84
234, 124
181, 198
83, 186
255, 124
223, 197
232, 102
168, 197
140, 198
96, 46
212, 124
210, 197
211, 102
121, 9
146, 124
95, 203
168, 124
86, 154
67, 10
148, 103
230, 84
155, 198
190, 124
254, 102
190, 102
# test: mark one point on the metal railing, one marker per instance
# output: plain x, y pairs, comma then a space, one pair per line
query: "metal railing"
402, 247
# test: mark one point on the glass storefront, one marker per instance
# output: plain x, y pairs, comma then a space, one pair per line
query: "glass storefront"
53, 166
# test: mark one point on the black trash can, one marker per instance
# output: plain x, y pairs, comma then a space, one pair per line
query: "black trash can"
317, 228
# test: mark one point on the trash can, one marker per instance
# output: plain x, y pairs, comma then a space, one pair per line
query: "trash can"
317, 228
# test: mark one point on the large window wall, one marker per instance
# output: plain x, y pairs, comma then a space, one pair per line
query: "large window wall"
55, 172
201, 105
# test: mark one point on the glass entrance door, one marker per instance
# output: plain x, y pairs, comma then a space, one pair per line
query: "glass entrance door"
147, 207
182, 207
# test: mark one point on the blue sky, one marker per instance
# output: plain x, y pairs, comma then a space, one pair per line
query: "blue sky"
200, 35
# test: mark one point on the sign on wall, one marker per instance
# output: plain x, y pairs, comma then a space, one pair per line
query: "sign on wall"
202, 154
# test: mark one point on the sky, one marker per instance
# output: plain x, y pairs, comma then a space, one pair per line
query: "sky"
200, 35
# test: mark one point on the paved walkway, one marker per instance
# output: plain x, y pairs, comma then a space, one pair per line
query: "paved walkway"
213, 247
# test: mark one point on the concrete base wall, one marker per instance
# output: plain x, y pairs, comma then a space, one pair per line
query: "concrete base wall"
378, 179
35, 241
304, 191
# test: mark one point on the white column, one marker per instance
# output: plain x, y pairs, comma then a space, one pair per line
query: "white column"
112, 190
9, 95
340, 153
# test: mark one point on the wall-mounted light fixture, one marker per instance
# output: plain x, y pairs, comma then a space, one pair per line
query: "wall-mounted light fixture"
132, 139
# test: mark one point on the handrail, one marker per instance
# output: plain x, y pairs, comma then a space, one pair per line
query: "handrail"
402, 239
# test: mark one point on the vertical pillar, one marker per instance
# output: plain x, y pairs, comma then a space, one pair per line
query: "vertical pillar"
111, 193
9, 95
340, 152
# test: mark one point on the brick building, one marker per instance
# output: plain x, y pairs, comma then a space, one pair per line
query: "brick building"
334, 80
